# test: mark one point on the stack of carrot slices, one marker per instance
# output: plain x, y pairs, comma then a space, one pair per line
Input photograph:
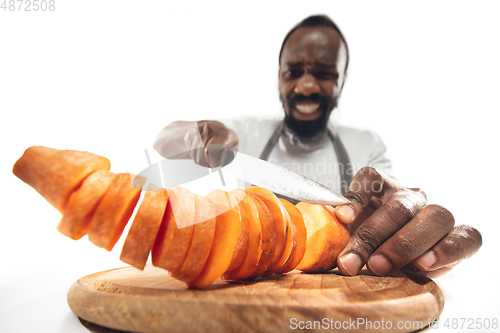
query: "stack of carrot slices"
238, 234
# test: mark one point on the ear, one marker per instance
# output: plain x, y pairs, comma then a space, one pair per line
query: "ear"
279, 78
343, 81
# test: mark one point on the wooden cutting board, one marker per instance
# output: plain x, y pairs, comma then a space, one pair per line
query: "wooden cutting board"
151, 301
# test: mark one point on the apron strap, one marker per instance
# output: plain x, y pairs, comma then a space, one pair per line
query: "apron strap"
342, 159
340, 151
272, 141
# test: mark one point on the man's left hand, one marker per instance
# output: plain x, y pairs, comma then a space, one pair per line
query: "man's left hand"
393, 227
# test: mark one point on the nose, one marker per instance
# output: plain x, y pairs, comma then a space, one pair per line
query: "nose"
307, 85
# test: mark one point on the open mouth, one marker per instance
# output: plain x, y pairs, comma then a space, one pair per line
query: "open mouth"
306, 111
307, 108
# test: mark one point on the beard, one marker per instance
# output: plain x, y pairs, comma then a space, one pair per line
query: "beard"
309, 129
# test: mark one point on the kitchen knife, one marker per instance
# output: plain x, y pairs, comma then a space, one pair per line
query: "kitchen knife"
280, 180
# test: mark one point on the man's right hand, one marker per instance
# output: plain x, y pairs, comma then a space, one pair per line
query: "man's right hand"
203, 141
207, 141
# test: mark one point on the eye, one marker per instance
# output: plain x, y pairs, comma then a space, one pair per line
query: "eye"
292, 74
326, 75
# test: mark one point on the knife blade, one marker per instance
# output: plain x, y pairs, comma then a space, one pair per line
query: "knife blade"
280, 180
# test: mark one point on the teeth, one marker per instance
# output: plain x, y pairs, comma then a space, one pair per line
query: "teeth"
307, 108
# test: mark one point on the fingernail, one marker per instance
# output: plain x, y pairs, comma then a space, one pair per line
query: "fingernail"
379, 265
351, 263
427, 259
346, 213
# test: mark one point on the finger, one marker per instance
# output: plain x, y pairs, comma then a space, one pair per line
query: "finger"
193, 147
209, 138
378, 228
427, 228
461, 243
212, 152
367, 212
217, 150
411, 269
367, 183
198, 149
228, 155
192, 142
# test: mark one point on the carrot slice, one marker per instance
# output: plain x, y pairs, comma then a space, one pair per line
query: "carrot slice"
176, 231
290, 246
145, 227
82, 204
241, 248
249, 264
279, 217
268, 235
227, 230
55, 173
113, 211
326, 237
300, 228
203, 238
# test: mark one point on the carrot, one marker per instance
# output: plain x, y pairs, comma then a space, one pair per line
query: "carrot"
55, 174
113, 211
279, 217
268, 235
326, 237
145, 227
290, 245
241, 248
227, 230
203, 238
176, 231
249, 264
300, 228
82, 204
237, 235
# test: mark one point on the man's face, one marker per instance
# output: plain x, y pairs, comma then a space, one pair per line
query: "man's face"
311, 76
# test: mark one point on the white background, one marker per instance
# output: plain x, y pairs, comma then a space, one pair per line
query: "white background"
107, 76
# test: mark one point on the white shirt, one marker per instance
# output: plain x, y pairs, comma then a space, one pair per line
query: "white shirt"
320, 164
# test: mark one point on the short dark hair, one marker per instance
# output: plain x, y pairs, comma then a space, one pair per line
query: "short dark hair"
312, 22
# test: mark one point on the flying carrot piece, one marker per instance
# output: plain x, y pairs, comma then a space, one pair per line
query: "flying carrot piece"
145, 227
290, 245
300, 228
176, 231
326, 237
268, 235
279, 217
203, 238
249, 264
227, 229
55, 173
113, 211
82, 204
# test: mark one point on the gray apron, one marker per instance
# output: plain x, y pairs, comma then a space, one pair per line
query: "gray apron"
342, 156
